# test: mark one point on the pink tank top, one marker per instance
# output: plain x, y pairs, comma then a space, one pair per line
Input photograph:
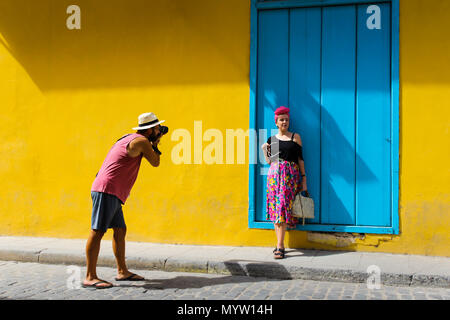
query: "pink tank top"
119, 171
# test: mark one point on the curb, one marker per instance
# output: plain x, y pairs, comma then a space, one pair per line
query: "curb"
270, 270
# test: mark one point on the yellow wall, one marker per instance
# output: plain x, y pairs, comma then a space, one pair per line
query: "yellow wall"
67, 95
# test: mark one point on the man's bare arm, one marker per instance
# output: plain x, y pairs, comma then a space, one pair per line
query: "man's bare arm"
143, 146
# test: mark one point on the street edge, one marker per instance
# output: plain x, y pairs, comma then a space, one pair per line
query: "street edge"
255, 269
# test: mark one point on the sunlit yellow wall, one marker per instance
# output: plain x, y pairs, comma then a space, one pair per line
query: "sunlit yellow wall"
67, 95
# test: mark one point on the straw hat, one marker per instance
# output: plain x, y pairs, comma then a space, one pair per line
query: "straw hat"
147, 120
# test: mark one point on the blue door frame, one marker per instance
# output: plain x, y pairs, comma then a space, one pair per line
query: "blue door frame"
256, 7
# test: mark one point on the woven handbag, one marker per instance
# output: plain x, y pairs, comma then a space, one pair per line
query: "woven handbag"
303, 206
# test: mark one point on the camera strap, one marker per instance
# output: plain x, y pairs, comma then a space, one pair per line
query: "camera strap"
123, 137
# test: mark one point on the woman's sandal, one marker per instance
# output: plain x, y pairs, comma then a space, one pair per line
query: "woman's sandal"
278, 253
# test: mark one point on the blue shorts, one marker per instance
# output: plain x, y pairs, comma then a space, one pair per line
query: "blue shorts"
106, 212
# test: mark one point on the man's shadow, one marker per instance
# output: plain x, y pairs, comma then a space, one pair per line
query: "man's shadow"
239, 271
188, 282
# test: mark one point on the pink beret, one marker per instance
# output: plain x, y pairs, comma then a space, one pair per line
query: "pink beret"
280, 111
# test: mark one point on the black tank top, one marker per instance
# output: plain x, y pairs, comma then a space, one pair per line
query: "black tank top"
289, 150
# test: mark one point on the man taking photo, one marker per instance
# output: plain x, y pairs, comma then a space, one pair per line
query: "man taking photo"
111, 189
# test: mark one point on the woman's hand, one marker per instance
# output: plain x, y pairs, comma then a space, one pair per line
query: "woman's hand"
266, 149
304, 186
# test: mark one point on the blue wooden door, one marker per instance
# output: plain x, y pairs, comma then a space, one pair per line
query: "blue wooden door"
332, 66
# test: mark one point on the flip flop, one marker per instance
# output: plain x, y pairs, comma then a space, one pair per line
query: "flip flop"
95, 285
130, 278
279, 253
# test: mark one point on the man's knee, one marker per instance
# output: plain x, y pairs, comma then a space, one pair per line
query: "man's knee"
98, 234
120, 232
95, 237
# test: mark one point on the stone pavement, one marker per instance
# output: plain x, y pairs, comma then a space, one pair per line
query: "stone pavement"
337, 266
37, 281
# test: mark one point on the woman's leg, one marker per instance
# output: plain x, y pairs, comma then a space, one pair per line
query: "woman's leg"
277, 231
280, 230
281, 234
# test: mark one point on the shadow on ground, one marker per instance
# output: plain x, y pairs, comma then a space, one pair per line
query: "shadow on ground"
238, 271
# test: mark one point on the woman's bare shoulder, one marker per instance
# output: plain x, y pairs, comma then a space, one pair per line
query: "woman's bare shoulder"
298, 139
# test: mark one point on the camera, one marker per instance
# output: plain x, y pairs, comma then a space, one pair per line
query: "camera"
162, 131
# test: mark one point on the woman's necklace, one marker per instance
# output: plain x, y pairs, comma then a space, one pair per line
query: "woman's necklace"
280, 135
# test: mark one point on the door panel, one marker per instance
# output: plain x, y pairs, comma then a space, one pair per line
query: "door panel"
373, 120
332, 66
304, 92
338, 115
273, 86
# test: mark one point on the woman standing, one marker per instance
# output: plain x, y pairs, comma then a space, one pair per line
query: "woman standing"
284, 154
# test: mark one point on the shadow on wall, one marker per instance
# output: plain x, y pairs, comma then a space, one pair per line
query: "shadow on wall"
346, 155
134, 43
424, 41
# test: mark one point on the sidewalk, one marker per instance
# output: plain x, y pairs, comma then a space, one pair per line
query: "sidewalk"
243, 261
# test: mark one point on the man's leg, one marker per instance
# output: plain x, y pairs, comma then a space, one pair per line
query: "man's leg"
118, 245
92, 251
119, 251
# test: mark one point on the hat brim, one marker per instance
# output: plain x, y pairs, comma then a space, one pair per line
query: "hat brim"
149, 126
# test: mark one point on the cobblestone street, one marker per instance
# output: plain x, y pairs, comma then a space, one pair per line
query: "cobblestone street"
34, 281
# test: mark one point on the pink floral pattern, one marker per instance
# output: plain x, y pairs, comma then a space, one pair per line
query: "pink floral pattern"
282, 184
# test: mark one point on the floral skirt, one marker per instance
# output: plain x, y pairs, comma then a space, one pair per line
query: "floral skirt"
282, 184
